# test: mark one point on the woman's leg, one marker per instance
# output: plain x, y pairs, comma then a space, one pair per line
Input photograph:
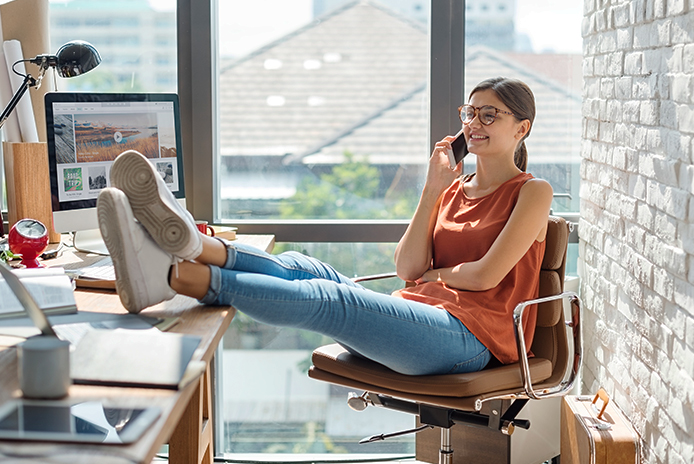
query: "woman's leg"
406, 336
195, 281
290, 265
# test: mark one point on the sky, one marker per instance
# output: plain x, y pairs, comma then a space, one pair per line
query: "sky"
551, 24
246, 25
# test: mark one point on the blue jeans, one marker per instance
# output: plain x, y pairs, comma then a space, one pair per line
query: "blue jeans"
294, 290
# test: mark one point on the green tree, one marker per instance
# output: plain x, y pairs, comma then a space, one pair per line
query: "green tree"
349, 191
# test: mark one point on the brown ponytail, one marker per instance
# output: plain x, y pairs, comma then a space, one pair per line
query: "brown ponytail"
518, 97
520, 157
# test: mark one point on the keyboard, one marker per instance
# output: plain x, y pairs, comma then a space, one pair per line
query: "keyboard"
100, 270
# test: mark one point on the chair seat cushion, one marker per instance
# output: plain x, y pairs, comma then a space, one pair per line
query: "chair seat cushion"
334, 359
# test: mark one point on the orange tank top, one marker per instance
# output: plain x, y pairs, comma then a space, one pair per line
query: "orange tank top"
465, 230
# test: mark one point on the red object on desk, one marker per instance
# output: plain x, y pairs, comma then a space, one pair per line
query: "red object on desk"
29, 238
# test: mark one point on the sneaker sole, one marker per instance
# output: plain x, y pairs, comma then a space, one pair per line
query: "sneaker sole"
136, 178
112, 220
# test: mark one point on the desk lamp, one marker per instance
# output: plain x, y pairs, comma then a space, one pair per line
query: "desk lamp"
72, 59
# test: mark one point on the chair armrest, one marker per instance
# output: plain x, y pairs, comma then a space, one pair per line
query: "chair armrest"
572, 367
387, 275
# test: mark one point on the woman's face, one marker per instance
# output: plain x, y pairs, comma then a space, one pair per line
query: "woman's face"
500, 137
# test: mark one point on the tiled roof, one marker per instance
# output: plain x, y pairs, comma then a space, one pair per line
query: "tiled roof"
398, 135
380, 110
325, 77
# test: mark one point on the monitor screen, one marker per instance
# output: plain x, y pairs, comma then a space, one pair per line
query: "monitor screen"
85, 133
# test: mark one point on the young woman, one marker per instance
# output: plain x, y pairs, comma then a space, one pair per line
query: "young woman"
474, 248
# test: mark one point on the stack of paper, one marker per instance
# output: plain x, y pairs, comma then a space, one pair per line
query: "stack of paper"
51, 288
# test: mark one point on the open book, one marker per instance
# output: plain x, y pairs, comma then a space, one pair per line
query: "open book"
51, 288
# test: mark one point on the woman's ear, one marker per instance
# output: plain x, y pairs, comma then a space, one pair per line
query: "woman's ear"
523, 129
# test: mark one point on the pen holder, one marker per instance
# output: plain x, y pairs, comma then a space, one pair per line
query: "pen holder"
43, 364
28, 185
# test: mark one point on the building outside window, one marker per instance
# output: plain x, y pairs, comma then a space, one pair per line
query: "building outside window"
130, 36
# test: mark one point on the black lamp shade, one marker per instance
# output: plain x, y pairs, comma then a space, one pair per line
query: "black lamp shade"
76, 58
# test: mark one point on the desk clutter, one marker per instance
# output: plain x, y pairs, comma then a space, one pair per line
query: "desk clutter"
128, 350
184, 408
50, 287
124, 350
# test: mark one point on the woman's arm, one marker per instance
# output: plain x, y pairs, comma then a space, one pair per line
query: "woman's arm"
414, 251
527, 223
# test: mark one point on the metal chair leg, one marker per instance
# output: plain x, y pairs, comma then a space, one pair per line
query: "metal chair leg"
446, 450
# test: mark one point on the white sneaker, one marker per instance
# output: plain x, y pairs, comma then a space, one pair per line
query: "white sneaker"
142, 268
153, 204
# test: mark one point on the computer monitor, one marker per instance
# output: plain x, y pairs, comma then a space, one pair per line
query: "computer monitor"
85, 133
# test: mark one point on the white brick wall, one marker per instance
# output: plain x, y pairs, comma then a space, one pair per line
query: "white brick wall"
637, 216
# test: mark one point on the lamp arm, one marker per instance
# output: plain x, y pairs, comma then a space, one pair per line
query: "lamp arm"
29, 81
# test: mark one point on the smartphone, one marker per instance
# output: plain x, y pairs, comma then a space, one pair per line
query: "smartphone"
458, 149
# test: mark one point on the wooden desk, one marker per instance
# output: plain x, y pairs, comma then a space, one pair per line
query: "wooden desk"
186, 419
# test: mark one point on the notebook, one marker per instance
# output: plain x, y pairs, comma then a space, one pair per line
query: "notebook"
133, 358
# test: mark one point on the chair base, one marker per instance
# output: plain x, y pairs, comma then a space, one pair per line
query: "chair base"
472, 445
462, 444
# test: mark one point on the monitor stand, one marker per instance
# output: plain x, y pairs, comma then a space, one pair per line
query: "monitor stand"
89, 241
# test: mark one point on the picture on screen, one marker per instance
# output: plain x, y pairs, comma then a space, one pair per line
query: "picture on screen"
102, 137
64, 138
165, 169
97, 177
72, 179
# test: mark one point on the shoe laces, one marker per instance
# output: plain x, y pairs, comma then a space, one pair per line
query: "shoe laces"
176, 260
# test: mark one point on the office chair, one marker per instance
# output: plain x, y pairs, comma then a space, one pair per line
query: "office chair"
492, 397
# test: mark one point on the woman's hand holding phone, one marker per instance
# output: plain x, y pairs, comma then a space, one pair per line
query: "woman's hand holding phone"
439, 174
458, 149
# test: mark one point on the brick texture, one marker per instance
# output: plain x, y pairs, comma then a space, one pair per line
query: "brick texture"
636, 247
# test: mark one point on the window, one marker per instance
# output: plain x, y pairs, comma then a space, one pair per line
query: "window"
132, 58
268, 180
279, 164
301, 105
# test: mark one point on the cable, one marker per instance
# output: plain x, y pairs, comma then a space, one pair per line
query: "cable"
23, 76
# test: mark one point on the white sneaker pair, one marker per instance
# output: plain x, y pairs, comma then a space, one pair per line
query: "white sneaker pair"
141, 266
143, 252
153, 204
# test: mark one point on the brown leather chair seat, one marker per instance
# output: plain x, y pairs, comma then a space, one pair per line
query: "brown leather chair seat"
334, 364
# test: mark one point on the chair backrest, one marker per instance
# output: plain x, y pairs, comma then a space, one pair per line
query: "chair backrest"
550, 340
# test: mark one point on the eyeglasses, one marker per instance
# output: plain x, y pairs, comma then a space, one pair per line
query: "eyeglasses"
487, 114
